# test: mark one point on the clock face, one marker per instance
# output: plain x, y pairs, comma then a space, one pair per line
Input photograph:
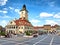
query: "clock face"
22, 12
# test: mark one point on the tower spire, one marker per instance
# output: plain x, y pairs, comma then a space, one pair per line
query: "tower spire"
24, 7
24, 12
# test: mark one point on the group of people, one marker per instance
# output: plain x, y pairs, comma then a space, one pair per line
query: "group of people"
8, 35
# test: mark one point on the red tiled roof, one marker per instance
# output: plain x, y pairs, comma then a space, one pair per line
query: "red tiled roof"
52, 26
47, 25
23, 22
37, 27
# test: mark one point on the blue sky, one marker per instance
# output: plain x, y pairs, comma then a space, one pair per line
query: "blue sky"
41, 12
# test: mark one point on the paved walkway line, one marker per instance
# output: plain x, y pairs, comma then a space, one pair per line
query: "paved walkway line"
40, 40
51, 41
30, 40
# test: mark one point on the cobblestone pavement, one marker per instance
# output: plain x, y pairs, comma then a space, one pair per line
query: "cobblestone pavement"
40, 40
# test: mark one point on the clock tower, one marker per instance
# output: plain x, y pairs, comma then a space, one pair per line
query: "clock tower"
24, 13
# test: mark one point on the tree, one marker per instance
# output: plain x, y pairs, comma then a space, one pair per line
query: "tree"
29, 32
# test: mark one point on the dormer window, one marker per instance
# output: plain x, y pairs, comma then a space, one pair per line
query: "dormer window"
11, 22
24, 17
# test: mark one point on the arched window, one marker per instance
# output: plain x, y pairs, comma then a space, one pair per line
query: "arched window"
21, 27
14, 27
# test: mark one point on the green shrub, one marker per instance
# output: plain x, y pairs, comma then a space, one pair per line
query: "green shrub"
28, 33
2, 33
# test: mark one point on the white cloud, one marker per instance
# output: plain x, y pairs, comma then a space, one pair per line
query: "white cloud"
57, 15
35, 21
3, 23
51, 22
3, 2
17, 10
52, 4
5, 16
44, 14
37, 25
11, 8
58, 22
3, 11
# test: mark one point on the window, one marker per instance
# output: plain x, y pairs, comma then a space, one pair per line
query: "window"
24, 17
25, 27
21, 27
14, 27
11, 22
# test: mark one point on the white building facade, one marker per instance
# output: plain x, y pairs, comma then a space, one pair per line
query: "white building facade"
21, 25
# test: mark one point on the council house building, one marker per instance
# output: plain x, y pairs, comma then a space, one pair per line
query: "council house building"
20, 25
